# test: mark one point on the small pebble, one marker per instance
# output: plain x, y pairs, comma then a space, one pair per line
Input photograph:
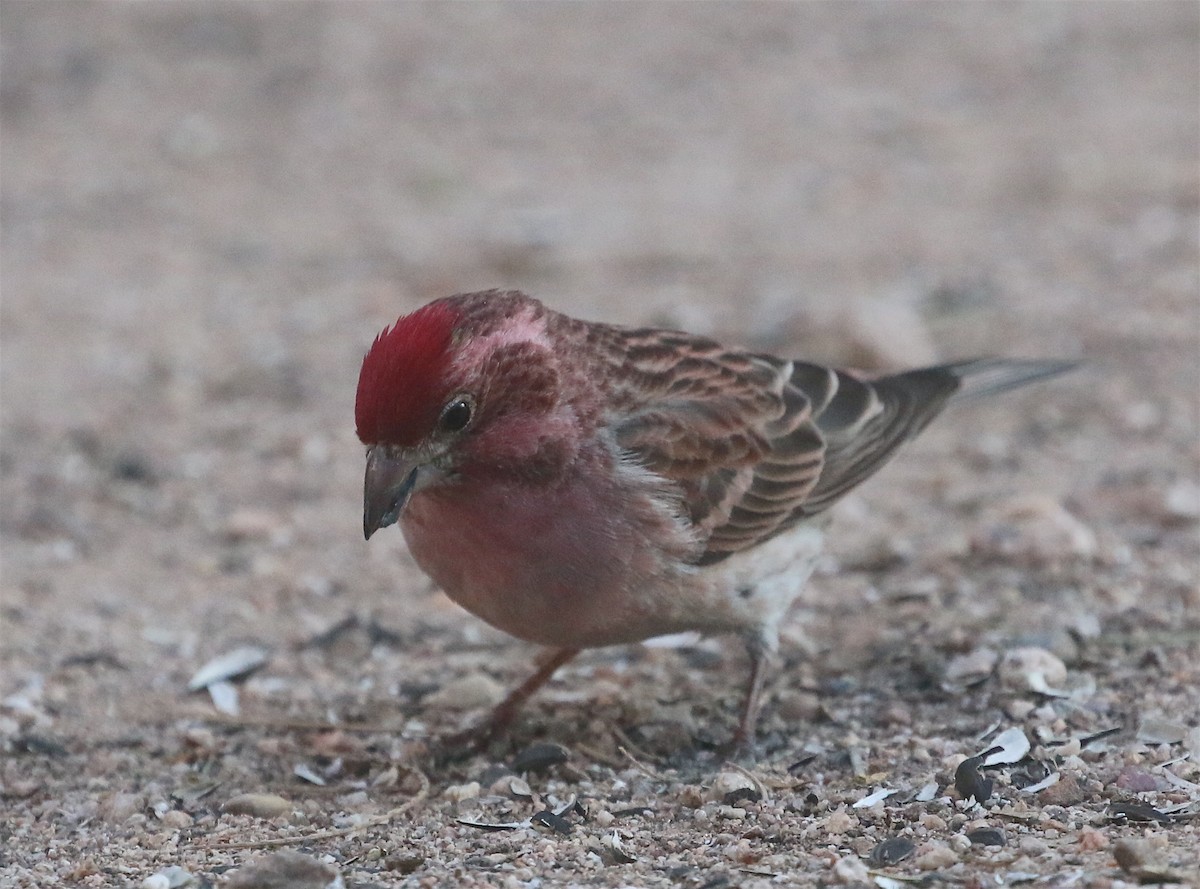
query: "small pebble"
732, 786
285, 870
1031, 669
1092, 840
1032, 846
973, 665
851, 871
839, 822
258, 805
1181, 502
471, 692
121, 806
1067, 791
251, 524
935, 857
1035, 529
176, 819
1130, 854
456, 793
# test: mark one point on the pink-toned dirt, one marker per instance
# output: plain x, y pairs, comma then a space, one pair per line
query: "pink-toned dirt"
210, 209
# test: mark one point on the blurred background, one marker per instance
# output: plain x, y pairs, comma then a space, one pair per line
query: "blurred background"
209, 209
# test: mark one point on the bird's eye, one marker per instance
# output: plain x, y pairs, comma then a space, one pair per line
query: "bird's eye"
457, 414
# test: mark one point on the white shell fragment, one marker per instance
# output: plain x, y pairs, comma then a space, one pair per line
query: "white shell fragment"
1013, 744
612, 843
1049, 781
1161, 731
231, 665
1032, 669
304, 773
872, 798
927, 792
224, 697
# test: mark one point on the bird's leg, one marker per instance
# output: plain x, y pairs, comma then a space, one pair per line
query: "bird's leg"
502, 714
761, 647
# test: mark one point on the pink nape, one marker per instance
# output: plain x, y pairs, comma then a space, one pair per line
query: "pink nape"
402, 381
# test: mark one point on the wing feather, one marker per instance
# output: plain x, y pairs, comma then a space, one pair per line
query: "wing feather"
756, 443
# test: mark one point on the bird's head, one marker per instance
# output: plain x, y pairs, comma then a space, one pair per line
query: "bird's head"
466, 387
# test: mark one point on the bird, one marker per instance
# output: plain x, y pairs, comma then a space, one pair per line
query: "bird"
580, 484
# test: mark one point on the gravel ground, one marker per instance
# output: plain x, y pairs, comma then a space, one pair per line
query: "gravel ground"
209, 209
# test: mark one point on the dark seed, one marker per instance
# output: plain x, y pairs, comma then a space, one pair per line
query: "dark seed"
801, 763
987, 836
1136, 812
539, 757
742, 793
970, 783
1029, 774
891, 851
555, 822
630, 813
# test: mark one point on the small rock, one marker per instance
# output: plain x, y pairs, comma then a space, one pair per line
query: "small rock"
511, 785
1036, 529
1067, 791
1131, 854
1191, 742
1031, 669
176, 819
177, 878
731, 812
1181, 502
471, 692
456, 793
285, 870
258, 805
156, 881
931, 822
1161, 731
1092, 840
1136, 780
1032, 846
935, 857
851, 871
971, 666
251, 524
799, 706
839, 822
1142, 416
121, 806
1018, 709
733, 787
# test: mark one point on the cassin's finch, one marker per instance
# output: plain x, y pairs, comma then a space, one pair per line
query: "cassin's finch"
580, 484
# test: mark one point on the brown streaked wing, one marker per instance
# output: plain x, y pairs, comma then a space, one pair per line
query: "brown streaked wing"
864, 422
729, 427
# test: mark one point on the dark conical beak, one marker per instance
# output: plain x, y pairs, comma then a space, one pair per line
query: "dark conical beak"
391, 477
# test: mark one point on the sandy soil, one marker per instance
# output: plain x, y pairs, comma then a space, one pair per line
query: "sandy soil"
210, 208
